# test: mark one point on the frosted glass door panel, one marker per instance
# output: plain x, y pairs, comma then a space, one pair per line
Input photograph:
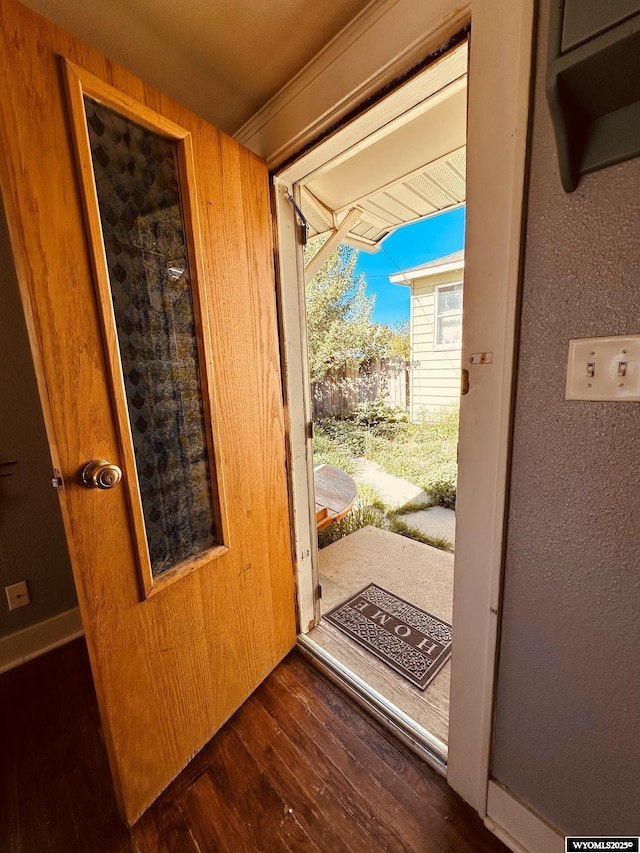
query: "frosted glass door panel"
138, 189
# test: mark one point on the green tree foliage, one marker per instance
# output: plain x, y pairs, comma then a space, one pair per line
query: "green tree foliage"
339, 327
398, 343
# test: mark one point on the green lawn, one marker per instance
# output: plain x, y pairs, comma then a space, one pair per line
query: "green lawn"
424, 454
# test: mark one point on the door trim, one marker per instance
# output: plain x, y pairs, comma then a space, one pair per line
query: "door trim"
384, 41
297, 395
499, 82
498, 125
521, 829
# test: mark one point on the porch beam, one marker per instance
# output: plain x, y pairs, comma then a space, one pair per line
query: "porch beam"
326, 250
326, 214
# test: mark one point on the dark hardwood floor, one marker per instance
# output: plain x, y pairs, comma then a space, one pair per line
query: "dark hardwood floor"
298, 768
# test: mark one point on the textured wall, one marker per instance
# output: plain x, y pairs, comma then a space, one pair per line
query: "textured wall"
567, 737
32, 542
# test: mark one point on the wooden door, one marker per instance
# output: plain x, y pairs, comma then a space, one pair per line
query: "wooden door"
175, 646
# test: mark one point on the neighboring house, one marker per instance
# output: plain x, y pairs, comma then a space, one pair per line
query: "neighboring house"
561, 747
435, 325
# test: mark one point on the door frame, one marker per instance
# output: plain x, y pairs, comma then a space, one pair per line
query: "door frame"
498, 119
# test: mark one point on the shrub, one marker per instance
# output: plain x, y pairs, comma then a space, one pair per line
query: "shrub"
353, 438
356, 441
359, 517
378, 417
334, 428
443, 492
326, 452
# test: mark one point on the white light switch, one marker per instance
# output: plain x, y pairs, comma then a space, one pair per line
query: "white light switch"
604, 368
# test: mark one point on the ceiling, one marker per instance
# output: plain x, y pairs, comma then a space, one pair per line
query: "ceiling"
224, 59
406, 171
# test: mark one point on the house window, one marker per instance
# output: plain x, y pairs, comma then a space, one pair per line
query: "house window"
448, 322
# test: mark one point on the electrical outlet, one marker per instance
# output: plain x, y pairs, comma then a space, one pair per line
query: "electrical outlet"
17, 595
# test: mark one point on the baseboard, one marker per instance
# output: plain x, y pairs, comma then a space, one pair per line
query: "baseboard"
31, 642
521, 829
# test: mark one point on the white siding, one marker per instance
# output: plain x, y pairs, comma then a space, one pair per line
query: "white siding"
435, 378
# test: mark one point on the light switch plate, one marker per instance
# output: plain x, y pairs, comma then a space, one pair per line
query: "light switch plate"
604, 368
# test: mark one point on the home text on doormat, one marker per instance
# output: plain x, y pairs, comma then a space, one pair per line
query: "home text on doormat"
408, 639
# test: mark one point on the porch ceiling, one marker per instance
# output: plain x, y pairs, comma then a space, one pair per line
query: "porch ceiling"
407, 171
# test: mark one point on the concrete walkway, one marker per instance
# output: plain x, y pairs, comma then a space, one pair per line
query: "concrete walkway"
394, 491
418, 573
436, 521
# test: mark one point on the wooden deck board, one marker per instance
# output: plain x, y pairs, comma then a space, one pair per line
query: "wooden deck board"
299, 768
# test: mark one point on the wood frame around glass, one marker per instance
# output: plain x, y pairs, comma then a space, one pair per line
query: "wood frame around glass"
78, 83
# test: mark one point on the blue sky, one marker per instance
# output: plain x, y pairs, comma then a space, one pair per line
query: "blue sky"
408, 247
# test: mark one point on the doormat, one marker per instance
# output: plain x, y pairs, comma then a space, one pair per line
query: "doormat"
408, 639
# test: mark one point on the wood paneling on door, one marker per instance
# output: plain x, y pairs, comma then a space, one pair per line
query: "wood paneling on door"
169, 669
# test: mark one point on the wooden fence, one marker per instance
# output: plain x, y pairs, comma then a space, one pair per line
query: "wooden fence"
339, 394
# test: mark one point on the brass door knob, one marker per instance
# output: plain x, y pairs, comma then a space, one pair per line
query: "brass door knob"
100, 474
